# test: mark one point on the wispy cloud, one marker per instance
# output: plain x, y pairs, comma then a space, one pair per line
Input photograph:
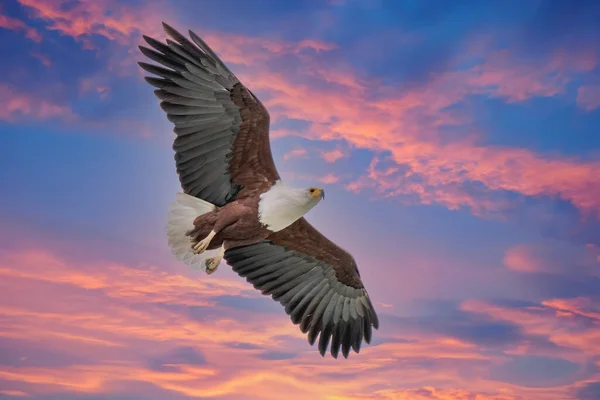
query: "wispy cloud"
14, 24
296, 153
570, 324
44, 59
409, 125
554, 258
332, 156
588, 97
98, 309
19, 105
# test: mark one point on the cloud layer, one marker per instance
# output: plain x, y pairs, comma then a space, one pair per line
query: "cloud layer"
462, 164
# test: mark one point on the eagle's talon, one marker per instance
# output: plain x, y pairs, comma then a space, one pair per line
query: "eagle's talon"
211, 264
200, 246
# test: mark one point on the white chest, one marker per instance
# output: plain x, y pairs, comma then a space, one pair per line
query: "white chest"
281, 206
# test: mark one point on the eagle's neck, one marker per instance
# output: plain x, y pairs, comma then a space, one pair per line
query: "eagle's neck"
282, 205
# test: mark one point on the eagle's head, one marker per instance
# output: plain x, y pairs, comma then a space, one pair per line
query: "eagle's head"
316, 193
281, 205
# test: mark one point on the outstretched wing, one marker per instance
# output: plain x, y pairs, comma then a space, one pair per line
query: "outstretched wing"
316, 281
220, 125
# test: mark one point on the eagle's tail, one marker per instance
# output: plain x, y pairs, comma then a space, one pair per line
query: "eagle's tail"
182, 213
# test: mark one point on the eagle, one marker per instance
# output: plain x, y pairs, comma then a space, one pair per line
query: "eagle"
235, 206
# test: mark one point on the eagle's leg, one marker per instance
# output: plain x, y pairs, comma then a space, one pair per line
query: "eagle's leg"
203, 244
225, 217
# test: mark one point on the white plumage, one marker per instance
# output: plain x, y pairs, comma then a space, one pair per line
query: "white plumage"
282, 205
182, 213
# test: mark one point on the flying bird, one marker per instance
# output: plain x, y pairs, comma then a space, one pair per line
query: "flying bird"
235, 205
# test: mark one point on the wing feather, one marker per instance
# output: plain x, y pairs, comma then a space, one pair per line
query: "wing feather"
220, 125
316, 281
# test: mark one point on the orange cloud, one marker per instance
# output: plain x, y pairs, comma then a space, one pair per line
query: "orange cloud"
17, 104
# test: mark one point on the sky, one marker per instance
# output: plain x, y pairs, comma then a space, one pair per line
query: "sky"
458, 143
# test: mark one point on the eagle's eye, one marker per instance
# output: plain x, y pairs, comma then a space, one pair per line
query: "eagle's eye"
312, 190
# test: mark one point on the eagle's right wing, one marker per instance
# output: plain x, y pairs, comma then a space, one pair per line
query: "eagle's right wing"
316, 281
222, 129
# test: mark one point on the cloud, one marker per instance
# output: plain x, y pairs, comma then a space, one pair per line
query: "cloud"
567, 323
296, 153
332, 156
408, 124
148, 285
555, 258
14, 24
502, 76
588, 97
19, 105
254, 51
172, 332
44, 59
590, 391
95, 84
180, 356
14, 393
113, 20
329, 179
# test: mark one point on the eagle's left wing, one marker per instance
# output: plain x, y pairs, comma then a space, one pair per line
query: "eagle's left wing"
316, 281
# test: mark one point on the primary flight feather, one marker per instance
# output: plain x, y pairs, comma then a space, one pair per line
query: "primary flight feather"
235, 205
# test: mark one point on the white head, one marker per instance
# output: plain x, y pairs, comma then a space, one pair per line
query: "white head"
281, 205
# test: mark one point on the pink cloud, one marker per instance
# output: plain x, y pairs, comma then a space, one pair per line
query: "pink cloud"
296, 153
333, 155
116, 21
14, 24
404, 122
44, 59
113, 20
408, 123
95, 309
329, 179
14, 393
568, 323
254, 51
124, 25
95, 85
502, 76
18, 104
588, 97
554, 258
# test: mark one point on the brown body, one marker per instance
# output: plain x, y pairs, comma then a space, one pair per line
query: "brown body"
236, 224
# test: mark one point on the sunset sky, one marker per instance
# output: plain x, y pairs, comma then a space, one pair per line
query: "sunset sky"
459, 145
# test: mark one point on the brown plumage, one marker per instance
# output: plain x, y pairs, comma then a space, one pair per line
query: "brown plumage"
236, 204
